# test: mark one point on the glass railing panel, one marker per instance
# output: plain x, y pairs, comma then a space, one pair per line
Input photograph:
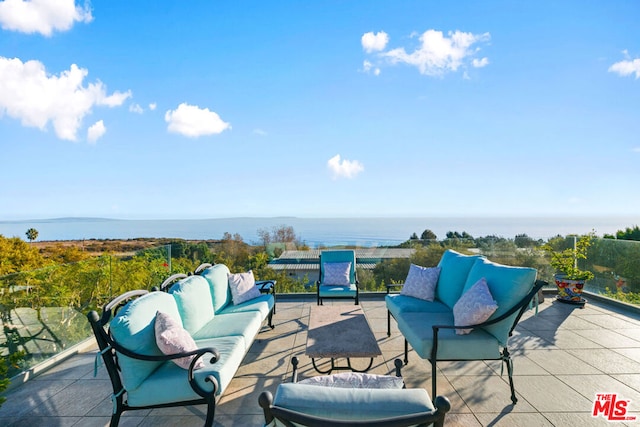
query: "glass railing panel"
44, 311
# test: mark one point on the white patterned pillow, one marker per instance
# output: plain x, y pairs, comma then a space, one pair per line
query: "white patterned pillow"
243, 287
421, 282
474, 306
356, 380
172, 338
336, 273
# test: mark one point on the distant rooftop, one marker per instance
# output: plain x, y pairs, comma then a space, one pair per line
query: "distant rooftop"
366, 259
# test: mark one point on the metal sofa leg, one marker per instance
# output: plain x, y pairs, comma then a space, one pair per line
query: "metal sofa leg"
211, 411
388, 323
506, 358
406, 352
434, 378
115, 419
270, 322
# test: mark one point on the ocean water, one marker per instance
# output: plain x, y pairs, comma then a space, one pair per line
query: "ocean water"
315, 231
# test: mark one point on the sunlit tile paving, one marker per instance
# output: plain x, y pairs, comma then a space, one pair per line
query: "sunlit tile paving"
563, 357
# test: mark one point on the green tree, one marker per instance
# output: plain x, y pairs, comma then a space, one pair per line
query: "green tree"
17, 255
32, 234
428, 235
524, 241
629, 233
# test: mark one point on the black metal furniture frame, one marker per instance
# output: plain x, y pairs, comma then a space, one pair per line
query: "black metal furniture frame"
291, 418
335, 367
108, 348
505, 356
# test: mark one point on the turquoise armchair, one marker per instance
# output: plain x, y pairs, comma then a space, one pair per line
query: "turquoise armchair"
338, 277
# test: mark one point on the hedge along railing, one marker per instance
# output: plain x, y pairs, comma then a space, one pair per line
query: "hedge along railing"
615, 263
43, 311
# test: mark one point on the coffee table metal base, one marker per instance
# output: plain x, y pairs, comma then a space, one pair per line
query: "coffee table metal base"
335, 368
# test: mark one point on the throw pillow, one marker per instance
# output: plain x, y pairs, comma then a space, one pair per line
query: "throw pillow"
336, 273
172, 338
474, 306
356, 380
243, 287
421, 282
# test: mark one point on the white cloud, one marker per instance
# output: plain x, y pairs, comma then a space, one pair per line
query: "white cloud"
374, 42
636, 150
42, 16
96, 131
368, 67
479, 63
29, 94
438, 54
345, 168
136, 108
193, 121
626, 67
152, 106
260, 132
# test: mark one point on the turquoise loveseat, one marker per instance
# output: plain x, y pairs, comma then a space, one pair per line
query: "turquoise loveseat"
143, 377
428, 326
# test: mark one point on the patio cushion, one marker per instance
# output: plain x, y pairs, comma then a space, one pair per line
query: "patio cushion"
336, 290
474, 306
351, 404
262, 304
169, 383
133, 328
217, 276
421, 282
355, 380
243, 287
336, 273
397, 303
193, 297
417, 329
454, 269
339, 256
244, 324
508, 285
172, 338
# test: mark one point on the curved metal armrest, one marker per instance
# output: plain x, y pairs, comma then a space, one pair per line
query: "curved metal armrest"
266, 286
393, 285
167, 283
122, 298
200, 352
520, 306
202, 267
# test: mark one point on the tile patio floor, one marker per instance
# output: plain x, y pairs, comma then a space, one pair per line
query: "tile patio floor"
562, 358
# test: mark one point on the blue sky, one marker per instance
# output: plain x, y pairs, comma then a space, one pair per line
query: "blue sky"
206, 109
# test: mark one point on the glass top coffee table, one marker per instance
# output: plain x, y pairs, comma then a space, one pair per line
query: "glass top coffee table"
340, 331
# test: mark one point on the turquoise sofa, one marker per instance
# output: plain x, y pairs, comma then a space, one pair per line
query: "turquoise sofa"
428, 326
143, 377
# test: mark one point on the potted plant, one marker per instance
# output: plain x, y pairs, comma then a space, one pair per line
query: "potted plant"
569, 278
